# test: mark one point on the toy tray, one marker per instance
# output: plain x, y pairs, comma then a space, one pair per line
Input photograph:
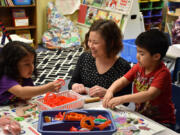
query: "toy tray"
71, 105
58, 128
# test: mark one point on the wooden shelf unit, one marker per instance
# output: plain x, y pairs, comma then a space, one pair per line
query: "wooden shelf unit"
31, 12
171, 16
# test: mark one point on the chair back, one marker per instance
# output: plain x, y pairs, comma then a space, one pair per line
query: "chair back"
176, 72
176, 101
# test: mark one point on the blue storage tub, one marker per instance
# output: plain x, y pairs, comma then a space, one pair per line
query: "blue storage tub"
58, 128
22, 2
129, 51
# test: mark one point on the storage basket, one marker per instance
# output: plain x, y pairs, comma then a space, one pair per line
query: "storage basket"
129, 51
71, 105
22, 2
54, 128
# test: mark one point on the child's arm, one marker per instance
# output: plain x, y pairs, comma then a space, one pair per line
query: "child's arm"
30, 91
139, 97
115, 87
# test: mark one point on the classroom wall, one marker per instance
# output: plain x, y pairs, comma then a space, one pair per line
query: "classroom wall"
42, 17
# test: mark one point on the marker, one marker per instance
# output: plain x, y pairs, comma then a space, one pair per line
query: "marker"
36, 133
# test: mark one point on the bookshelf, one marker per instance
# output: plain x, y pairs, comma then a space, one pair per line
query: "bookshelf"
173, 12
31, 12
152, 13
131, 20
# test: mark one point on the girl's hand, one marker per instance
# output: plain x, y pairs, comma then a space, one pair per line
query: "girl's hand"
114, 102
54, 86
108, 96
79, 88
10, 126
97, 91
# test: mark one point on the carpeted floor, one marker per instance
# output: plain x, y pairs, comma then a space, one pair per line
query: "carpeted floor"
53, 65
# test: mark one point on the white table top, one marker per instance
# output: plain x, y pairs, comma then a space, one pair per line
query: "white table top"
98, 105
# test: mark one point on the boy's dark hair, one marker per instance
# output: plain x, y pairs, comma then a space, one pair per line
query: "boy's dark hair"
11, 54
110, 32
154, 41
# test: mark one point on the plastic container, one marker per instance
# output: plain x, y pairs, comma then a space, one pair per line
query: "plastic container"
52, 128
22, 2
129, 51
72, 105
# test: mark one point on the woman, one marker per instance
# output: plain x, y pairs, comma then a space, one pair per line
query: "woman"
101, 66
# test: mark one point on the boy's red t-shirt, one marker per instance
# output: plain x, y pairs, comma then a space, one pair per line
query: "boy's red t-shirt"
160, 109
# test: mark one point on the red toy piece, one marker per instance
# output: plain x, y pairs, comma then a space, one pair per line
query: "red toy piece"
101, 117
85, 125
62, 80
73, 129
104, 125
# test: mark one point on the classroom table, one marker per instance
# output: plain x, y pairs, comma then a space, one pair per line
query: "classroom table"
29, 124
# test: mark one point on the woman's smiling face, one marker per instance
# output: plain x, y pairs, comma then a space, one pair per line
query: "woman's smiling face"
97, 44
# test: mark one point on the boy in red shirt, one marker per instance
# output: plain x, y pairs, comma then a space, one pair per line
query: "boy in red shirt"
152, 90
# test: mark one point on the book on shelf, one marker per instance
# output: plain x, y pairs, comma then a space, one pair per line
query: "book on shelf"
97, 3
10, 3
24, 33
88, 2
123, 22
18, 13
3, 3
116, 17
124, 5
82, 13
101, 14
90, 15
111, 4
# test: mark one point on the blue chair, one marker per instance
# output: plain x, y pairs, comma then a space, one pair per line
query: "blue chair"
176, 72
176, 101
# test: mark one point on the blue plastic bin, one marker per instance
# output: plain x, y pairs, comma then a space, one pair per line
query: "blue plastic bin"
22, 2
129, 51
52, 128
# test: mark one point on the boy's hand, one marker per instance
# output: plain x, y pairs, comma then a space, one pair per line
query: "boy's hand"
114, 102
108, 96
79, 88
97, 91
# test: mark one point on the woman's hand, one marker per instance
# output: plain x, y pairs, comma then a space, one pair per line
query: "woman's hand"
79, 88
108, 96
97, 91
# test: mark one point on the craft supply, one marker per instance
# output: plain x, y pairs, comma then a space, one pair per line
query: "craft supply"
20, 111
94, 99
84, 124
104, 125
34, 131
53, 100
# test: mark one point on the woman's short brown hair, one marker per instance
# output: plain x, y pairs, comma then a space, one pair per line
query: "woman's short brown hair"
110, 32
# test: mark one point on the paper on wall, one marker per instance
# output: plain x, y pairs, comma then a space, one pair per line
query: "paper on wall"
67, 7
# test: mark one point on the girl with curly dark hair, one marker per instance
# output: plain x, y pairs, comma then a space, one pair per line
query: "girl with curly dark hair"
17, 65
